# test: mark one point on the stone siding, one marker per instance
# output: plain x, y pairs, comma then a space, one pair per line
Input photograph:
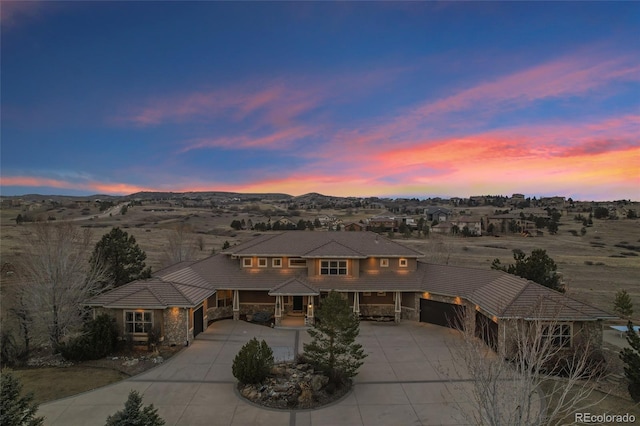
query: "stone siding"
377, 311
220, 313
175, 327
410, 314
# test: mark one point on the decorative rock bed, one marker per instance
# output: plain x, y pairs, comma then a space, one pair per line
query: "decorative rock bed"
292, 386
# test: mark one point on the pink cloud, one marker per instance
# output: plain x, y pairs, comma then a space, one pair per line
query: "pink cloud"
97, 187
279, 139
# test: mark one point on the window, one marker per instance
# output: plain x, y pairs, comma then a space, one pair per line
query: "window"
225, 298
333, 267
559, 334
382, 293
262, 262
247, 262
366, 293
138, 321
276, 262
403, 263
384, 263
296, 262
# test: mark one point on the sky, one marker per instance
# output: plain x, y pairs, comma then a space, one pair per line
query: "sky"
388, 99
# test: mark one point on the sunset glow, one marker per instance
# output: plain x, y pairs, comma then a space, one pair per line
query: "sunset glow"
348, 99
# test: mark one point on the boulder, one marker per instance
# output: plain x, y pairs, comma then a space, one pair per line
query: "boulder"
318, 382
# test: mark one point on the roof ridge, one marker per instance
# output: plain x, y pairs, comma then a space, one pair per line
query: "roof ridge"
518, 294
332, 240
131, 291
255, 242
160, 299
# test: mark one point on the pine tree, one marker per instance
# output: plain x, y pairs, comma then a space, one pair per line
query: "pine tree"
134, 415
631, 358
622, 304
16, 410
538, 267
121, 256
333, 349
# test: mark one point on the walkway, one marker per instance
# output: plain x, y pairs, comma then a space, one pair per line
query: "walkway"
401, 382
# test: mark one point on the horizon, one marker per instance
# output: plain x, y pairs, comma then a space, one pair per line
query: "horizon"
388, 99
389, 197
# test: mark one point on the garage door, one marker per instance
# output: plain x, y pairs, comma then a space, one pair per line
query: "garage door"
487, 330
440, 313
198, 321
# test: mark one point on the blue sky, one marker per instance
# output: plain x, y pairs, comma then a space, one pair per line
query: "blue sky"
363, 99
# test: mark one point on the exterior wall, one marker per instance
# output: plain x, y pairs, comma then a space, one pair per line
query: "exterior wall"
256, 297
411, 306
214, 313
175, 326
584, 332
377, 310
373, 264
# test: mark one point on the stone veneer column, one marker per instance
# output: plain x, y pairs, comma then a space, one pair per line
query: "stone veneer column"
398, 306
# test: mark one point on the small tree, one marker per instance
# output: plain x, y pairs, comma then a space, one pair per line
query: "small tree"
99, 338
134, 414
333, 348
253, 363
538, 267
622, 304
121, 256
58, 279
16, 410
180, 246
631, 358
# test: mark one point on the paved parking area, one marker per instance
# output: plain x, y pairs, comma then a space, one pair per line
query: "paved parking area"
403, 382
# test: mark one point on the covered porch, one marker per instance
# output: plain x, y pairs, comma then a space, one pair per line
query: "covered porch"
295, 303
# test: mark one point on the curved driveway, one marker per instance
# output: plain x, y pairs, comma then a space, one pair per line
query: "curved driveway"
401, 382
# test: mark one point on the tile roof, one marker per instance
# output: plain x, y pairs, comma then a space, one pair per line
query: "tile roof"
301, 243
153, 293
295, 286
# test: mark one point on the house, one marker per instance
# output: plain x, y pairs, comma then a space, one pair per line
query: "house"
440, 214
383, 224
473, 224
290, 273
354, 226
443, 228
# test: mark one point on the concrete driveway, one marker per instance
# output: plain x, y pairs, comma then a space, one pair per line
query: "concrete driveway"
401, 382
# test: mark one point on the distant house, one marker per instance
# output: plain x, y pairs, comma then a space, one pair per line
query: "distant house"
509, 223
440, 214
443, 228
473, 224
292, 272
383, 223
355, 226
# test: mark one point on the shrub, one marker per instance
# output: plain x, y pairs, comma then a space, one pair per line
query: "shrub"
135, 414
17, 409
253, 363
98, 339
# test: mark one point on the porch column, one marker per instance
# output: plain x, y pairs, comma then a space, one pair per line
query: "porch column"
310, 313
398, 310
278, 313
356, 303
236, 305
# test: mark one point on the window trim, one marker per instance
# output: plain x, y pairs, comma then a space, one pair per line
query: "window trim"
134, 321
366, 293
299, 265
246, 264
263, 262
276, 262
384, 263
382, 293
565, 339
403, 262
338, 268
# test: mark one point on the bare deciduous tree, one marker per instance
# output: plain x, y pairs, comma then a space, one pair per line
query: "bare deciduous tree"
58, 277
533, 379
180, 245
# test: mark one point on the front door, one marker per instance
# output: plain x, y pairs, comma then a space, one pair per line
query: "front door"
297, 303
